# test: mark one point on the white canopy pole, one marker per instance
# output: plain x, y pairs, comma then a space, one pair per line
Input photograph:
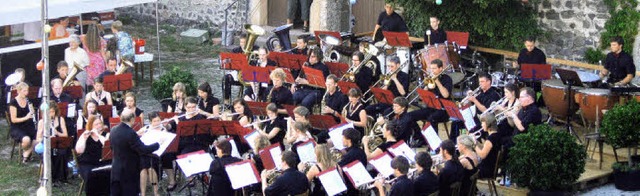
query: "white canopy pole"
46, 178
158, 36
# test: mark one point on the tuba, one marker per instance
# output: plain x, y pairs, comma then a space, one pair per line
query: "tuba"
327, 44
124, 65
281, 34
253, 32
74, 71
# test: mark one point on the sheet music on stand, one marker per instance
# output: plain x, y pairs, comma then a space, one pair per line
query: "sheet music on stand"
357, 173
241, 174
467, 115
234, 148
161, 137
335, 133
332, 181
194, 163
431, 136
402, 149
250, 138
271, 156
382, 163
306, 152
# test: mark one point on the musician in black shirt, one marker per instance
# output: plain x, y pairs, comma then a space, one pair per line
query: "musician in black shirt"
219, 184
618, 64
402, 185
63, 69
442, 90
426, 182
208, 105
290, 182
351, 139
301, 46
243, 43
279, 94
249, 92
364, 77
530, 54
308, 96
484, 99
452, 171
435, 34
389, 20
333, 99
406, 122
398, 84
528, 115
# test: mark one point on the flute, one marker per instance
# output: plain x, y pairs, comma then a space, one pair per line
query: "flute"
257, 122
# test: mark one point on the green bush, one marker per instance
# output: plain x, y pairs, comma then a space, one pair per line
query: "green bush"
620, 126
502, 24
162, 88
623, 22
546, 159
594, 56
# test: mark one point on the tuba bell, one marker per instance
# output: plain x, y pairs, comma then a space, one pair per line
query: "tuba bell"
72, 74
253, 32
124, 66
281, 34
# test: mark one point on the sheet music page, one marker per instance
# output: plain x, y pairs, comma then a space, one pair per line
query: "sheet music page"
432, 137
242, 175
383, 164
195, 164
358, 174
332, 182
473, 110
251, 138
467, 114
71, 110
276, 155
404, 150
234, 149
307, 153
114, 112
161, 137
336, 135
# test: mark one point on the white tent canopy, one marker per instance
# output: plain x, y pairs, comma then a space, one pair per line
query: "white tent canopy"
23, 11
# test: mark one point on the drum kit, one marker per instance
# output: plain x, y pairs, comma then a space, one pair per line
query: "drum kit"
449, 54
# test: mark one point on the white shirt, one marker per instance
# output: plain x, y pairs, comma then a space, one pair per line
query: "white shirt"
78, 56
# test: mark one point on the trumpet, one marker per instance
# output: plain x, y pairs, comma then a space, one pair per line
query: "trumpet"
475, 93
493, 106
503, 115
371, 185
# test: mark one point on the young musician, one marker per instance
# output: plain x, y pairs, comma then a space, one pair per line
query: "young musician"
406, 122
350, 139
178, 96
57, 94
469, 160
98, 94
261, 142
127, 149
58, 128
488, 151
220, 183
208, 105
333, 98
63, 69
301, 46
278, 94
618, 64
323, 155
486, 96
390, 132
364, 78
244, 115
130, 104
89, 147
435, 34
263, 61
275, 129
402, 184
150, 163
112, 64
22, 114
301, 135
307, 96
291, 182
511, 92
90, 109
442, 89
301, 114
187, 144
452, 171
389, 20
530, 54
242, 43
528, 115
355, 112
398, 85
426, 182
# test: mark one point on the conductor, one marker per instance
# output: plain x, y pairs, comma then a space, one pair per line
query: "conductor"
127, 150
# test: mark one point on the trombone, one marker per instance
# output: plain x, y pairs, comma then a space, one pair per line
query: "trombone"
430, 80
386, 81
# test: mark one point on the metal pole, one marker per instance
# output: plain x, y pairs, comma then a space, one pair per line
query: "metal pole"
157, 37
44, 106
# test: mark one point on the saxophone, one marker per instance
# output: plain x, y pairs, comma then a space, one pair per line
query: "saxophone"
270, 94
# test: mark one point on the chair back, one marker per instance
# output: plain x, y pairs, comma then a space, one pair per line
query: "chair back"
474, 181
498, 160
455, 188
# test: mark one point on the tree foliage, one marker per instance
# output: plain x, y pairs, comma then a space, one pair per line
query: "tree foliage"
162, 88
623, 22
499, 24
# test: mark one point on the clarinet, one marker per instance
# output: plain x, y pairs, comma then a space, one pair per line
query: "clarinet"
33, 111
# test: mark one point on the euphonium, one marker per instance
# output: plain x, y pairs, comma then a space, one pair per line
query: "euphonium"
272, 174
72, 74
124, 65
253, 32
281, 33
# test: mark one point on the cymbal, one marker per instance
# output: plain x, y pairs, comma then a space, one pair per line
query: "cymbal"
13, 79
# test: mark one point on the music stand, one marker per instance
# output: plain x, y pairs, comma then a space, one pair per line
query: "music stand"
256, 74
290, 61
314, 77
535, 72
322, 122
258, 108
61, 142
397, 39
34, 93
233, 61
199, 176
429, 98
346, 86
115, 83
166, 115
460, 38
337, 68
382, 95
106, 152
63, 107
329, 33
569, 78
452, 109
289, 109
137, 124
74, 91
289, 76
105, 110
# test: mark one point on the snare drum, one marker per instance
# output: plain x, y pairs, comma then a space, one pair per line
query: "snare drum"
592, 101
552, 91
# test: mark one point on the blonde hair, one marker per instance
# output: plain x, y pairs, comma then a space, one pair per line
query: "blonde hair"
323, 154
21, 86
117, 25
132, 95
179, 87
466, 141
261, 142
278, 73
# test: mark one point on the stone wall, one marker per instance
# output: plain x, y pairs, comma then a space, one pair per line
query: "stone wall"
573, 26
200, 13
